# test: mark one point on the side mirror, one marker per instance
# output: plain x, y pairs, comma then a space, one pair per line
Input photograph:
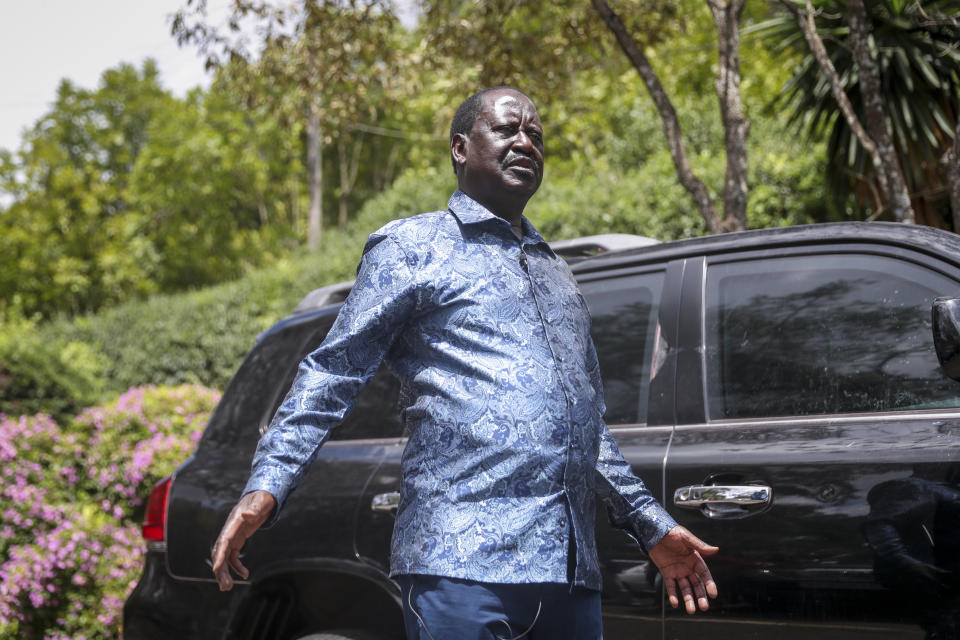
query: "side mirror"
946, 334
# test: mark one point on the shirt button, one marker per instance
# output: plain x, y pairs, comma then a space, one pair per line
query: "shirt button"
560, 358
570, 446
563, 522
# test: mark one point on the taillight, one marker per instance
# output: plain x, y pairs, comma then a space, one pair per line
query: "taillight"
156, 516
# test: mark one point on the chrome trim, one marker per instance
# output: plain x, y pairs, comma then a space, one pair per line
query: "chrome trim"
696, 496
828, 419
385, 502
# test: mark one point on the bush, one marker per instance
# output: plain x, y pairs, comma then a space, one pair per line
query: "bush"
70, 501
44, 373
200, 337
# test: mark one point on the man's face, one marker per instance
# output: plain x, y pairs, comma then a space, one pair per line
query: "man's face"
503, 155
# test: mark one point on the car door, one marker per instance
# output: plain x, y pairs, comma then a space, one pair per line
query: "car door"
818, 445
626, 307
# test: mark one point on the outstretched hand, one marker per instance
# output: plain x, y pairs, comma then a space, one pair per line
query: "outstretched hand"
246, 517
679, 557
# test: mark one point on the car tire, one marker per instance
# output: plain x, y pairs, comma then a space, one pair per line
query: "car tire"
342, 634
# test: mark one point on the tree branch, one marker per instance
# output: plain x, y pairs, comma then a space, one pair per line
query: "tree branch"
898, 196
726, 16
668, 115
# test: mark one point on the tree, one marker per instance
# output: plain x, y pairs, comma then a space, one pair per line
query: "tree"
65, 241
210, 189
324, 63
882, 79
124, 190
726, 15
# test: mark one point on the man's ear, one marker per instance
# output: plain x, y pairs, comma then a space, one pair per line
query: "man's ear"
458, 148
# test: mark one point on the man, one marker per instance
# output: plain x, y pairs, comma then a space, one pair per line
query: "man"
502, 399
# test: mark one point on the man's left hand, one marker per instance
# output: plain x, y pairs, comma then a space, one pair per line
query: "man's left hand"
679, 556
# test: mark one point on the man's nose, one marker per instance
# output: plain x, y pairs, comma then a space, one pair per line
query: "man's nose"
522, 141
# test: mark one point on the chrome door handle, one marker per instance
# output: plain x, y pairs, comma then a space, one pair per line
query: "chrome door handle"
697, 496
386, 502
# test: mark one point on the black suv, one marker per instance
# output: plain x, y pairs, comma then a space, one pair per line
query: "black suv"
778, 390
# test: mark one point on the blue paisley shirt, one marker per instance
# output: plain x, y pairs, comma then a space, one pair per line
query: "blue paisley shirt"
500, 394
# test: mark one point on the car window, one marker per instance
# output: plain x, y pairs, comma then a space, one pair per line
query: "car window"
624, 312
255, 388
826, 334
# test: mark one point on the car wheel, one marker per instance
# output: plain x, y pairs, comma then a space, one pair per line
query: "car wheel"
343, 634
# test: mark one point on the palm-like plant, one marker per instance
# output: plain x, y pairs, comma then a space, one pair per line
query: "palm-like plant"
917, 49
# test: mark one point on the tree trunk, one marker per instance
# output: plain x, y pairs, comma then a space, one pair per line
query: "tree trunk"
953, 176
726, 16
898, 194
349, 168
809, 28
315, 169
671, 126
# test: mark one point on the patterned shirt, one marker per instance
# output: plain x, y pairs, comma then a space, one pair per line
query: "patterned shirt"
500, 395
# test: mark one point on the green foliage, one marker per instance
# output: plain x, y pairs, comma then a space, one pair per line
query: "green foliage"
70, 503
204, 231
44, 373
65, 241
915, 45
199, 336
413, 192
123, 191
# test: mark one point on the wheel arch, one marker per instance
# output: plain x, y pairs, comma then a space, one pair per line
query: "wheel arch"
310, 596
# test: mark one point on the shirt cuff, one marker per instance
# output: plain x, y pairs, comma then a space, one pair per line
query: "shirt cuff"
646, 525
262, 482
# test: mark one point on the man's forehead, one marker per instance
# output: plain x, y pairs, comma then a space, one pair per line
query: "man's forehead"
505, 102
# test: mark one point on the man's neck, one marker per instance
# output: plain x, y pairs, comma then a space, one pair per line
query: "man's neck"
510, 209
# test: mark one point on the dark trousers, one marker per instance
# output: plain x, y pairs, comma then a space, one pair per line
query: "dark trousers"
436, 608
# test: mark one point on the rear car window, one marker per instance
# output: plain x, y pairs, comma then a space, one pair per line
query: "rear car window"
826, 334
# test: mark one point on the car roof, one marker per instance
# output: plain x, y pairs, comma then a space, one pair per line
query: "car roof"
935, 242
610, 251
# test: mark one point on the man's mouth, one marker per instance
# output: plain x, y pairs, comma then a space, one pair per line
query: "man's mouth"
521, 163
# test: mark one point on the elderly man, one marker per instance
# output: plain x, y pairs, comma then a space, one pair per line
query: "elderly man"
502, 400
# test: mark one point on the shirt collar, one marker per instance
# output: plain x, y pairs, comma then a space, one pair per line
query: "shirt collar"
469, 211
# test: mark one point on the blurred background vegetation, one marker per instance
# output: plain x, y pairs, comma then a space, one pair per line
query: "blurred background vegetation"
146, 238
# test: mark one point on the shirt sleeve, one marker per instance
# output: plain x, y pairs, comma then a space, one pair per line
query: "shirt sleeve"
630, 504
330, 378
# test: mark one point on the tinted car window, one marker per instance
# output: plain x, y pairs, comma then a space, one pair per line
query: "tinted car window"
823, 334
624, 312
256, 385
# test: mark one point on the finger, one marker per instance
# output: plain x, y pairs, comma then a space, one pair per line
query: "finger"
699, 545
241, 570
670, 586
219, 566
687, 592
701, 593
222, 573
707, 578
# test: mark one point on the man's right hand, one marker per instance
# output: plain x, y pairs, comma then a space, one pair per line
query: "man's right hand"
247, 516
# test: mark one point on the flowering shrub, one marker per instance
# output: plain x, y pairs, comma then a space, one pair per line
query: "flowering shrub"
71, 499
